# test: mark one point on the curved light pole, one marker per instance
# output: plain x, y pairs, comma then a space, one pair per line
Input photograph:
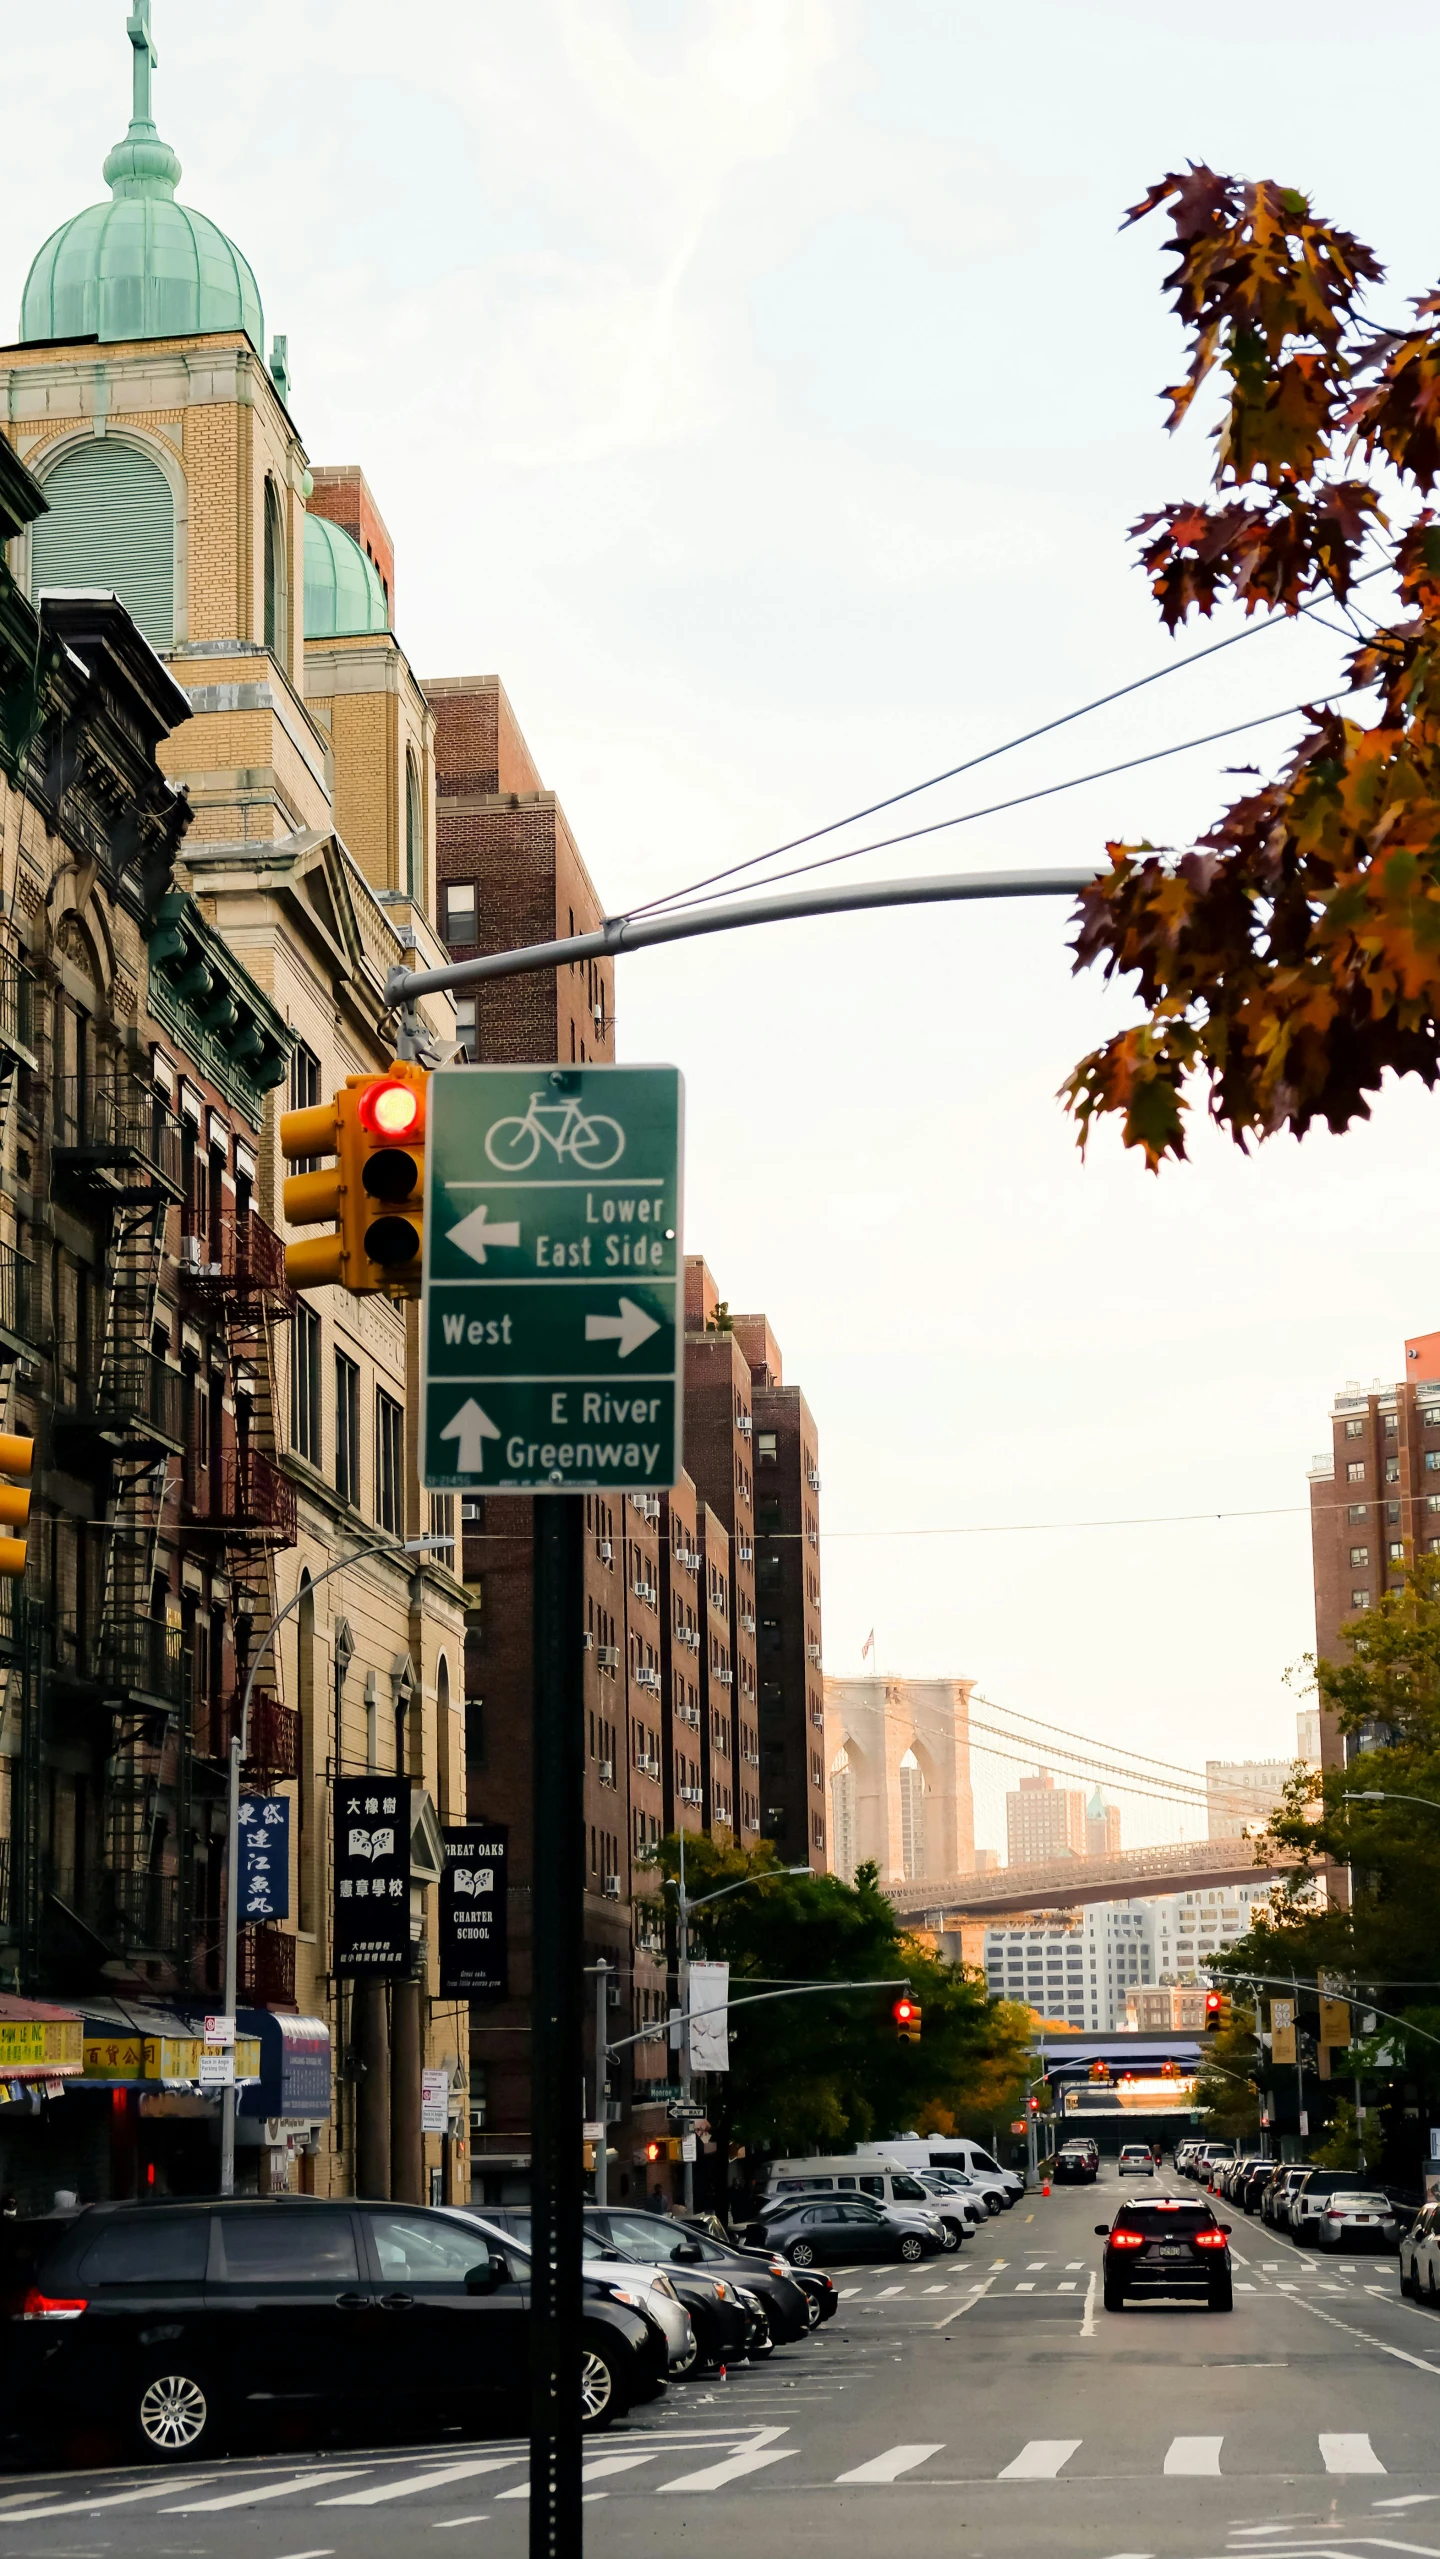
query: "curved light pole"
239, 1740
769, 1876
1373, 1795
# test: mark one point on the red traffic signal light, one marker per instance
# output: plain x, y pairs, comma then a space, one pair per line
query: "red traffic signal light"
1215, 2006
390, 1109
906, 2013
1034, 2105
654, 2150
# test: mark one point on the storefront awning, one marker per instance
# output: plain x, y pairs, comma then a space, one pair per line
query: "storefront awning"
39, 2043
295, 2066
132, 2044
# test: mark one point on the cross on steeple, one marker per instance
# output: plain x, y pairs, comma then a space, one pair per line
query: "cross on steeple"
146, 58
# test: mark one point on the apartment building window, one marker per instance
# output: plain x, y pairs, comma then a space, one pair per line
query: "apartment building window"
389, 1462
465, 1023
1359, 1555
460, 923
305, 1384
767, 1448
1355, 1474
304, 1093
1392, 1425
1354, 1430
1396, 1550
1392, 1470
1361, 1510
1359, 1599
347, 1428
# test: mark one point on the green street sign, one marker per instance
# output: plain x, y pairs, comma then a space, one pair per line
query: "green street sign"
552, 1307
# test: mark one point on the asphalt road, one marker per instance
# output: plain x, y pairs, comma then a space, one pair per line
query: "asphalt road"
984, 2405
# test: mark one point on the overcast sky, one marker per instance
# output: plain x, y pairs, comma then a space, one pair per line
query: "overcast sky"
763, 389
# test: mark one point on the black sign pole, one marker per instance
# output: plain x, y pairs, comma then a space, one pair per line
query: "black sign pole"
556, 2042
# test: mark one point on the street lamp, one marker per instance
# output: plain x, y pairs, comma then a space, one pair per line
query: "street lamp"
770, 1875
1373, 1795
239, 1740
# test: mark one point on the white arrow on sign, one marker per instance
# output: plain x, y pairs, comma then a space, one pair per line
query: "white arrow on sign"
472, 1427
629, 1328
474, 1233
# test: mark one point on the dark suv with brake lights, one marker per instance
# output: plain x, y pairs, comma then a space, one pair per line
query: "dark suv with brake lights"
180, 2326
1077, 2163
1165, 2250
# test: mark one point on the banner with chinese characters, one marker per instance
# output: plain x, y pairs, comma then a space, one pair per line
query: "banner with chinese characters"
264, 1857
473, 1962
372, 1876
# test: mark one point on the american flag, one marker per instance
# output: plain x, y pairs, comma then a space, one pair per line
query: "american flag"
868, 1646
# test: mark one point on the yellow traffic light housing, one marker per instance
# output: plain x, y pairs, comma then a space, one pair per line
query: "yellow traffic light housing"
906, 2013
17, 1457
372, 1194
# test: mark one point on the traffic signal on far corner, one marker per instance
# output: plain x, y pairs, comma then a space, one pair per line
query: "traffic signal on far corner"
906, 2013
1217, 2011
17, 1457
654, 2150
372, 1195
1034, 2105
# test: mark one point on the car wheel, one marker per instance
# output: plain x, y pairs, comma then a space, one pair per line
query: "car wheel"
1430, 2293
1408, 2285
801, 2253
759, 2347
1114, 2295
912, 2248
1222, 2300
993, 2205
949, 2236
813, 2312
601, 2398
687, 2363
176, 2416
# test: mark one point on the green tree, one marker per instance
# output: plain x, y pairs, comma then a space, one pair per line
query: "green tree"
823, 2072
1226, 2090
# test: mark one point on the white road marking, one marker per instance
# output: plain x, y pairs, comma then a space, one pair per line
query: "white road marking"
1194, 2457
1036, 2265
98, 2505
937, 2288
1087, 2324
310, 2554
1024, 2287
1067, 2287
739, 2466
977, 2293
888, 2465
452, 2523
1351, 2455
389, 2488
1043, 2458
891, 2292
1075, 2266
602, 2469
848, 2291
271, 2488
1245, 2287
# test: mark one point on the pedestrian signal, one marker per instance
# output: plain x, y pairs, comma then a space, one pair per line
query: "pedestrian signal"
906, 2013
371, 1195
654, 2150
17, 1457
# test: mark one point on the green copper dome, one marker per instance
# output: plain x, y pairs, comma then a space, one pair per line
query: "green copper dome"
343, 593
141, 266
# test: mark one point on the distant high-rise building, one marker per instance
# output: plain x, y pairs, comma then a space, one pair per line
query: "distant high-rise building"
1307, 1736
1241, 1793
1044, 1821
1372, 1505
1102, 1826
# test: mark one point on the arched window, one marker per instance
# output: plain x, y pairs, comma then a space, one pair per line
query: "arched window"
912, 1817
414, 829
111, 524
276, 582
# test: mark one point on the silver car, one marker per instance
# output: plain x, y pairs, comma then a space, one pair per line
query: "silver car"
1356, 2221
649, 2286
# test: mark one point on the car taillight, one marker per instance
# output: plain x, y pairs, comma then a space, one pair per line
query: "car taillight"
41, 2305
1127, 2239
1209, 2238
1334, 2213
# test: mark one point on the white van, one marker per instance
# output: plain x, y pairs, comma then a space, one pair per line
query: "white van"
868, 2173
934, 2151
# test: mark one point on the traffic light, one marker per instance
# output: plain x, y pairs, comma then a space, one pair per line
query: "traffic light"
372, 1195
1217, 2011
654, 2150
906, 2013
17, 1456
1034, 2105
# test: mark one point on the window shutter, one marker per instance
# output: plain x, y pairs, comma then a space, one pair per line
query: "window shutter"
111, 524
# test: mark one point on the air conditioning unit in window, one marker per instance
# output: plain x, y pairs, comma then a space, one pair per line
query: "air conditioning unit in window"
648, 1678
745, 1426
606, 1550
687, 1714
611, 1887
587, 1641
607, 1772
192, 1253
812, 1652
690, 1794
647, 1764
724, 1678
748, 1622
652, 1505
608, 1656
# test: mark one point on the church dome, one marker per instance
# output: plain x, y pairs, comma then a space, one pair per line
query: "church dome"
141, 266
343, 593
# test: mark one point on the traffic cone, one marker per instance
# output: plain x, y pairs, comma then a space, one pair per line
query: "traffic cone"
1045, 2189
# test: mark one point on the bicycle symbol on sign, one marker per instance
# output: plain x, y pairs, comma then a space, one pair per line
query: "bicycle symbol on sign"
594, 1143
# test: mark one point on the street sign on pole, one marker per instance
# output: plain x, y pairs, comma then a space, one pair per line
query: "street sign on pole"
552, 1314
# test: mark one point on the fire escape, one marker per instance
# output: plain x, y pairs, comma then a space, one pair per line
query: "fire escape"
244, 1293
115, 1160
21, 1617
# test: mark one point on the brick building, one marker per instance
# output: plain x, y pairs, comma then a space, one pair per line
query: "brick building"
787, 1587
1374, 1502
1043, 1820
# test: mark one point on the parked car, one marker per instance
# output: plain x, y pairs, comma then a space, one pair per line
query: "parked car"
951, 2189
953, 2151
1166, 2248
1250, 2188
1275, 2201
1077, 2163
821, 2298
708, 2293
880, 2179
185, 2325
1364, 2219
1420, 2256
638, 2235
809, 2229
1311, 2194
1137, 2160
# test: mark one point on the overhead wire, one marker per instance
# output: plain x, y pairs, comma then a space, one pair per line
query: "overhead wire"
1027, 737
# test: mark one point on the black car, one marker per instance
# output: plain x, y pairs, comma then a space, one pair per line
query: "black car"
184, 2326
821, 2298
1251, 2185
1164, 2250
648, 2236
1077, 2164
807, 2229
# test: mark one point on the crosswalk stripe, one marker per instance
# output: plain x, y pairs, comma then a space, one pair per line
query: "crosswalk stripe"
603, 2469
1024, 2287
1044, 2458
888, 2465
253, 2496
98, 2505
1065, 2287
413, 2487
848, 2291
739, 2466
1194, 2457
937, 2287
1350, 2454
889, 2292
